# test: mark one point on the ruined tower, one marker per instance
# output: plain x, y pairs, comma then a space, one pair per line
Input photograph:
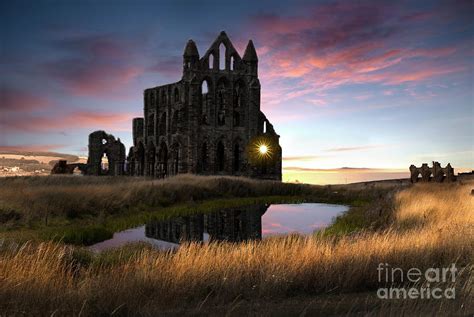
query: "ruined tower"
207, 122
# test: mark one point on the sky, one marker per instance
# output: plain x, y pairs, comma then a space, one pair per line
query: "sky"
370, 85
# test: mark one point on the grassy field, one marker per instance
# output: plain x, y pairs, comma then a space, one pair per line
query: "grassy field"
85, 210
333, 272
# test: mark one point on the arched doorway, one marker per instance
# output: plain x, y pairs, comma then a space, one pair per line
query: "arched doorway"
104, 164
76, 171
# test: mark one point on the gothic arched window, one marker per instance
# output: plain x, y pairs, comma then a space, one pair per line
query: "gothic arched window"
222, 56
211, 61
204, 102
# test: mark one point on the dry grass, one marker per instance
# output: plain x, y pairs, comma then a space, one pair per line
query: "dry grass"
51, 278
59, 206
31, 197
436, 206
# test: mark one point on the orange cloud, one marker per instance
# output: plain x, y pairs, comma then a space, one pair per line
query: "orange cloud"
338, 170
66, 121
301, 158
354, 148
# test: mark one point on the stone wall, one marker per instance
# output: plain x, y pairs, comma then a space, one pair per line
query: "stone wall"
436, 173
62, 167
103, 145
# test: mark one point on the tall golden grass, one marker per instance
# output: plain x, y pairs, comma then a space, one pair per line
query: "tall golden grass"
75, 196
432, 227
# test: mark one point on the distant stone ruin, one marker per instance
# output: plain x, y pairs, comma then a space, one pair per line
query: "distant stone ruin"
62, 167
436, 173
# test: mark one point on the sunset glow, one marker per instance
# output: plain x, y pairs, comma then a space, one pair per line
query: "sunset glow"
346, 84
263, 149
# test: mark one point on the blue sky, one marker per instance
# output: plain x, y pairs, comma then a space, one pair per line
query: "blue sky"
370, 84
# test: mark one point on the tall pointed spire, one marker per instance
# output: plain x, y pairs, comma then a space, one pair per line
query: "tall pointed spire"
191, 49
250, 54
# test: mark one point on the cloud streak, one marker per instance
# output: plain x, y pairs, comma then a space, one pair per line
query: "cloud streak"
30, 148
355, 148
301, 158
342, 169
67, 121
19, 100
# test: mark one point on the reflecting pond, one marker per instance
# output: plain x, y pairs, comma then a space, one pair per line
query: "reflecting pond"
236, 224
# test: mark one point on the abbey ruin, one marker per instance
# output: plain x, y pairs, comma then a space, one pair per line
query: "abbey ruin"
436, 173
209, 122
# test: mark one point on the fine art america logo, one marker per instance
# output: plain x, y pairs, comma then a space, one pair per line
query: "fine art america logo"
426, 284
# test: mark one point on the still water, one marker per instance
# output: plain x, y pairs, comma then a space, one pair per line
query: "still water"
237, 224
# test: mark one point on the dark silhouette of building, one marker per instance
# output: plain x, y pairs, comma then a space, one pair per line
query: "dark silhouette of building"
106, 155
233, 225
209, 122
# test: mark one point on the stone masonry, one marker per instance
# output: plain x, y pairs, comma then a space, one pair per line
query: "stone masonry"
103, 146
436, 173
207, 122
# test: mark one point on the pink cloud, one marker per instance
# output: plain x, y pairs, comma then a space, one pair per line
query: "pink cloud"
420, 74
318, 102
19, 100
98, 65
336, 44
275, 225
169, 67
93, 78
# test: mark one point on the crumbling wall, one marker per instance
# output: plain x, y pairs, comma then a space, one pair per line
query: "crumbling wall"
62, 167
102, 144
201, 124
436, 173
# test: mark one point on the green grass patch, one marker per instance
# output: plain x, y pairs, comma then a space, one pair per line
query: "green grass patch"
351, 221
79, 235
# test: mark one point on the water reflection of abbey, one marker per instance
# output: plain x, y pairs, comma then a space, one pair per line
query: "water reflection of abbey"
235, 225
